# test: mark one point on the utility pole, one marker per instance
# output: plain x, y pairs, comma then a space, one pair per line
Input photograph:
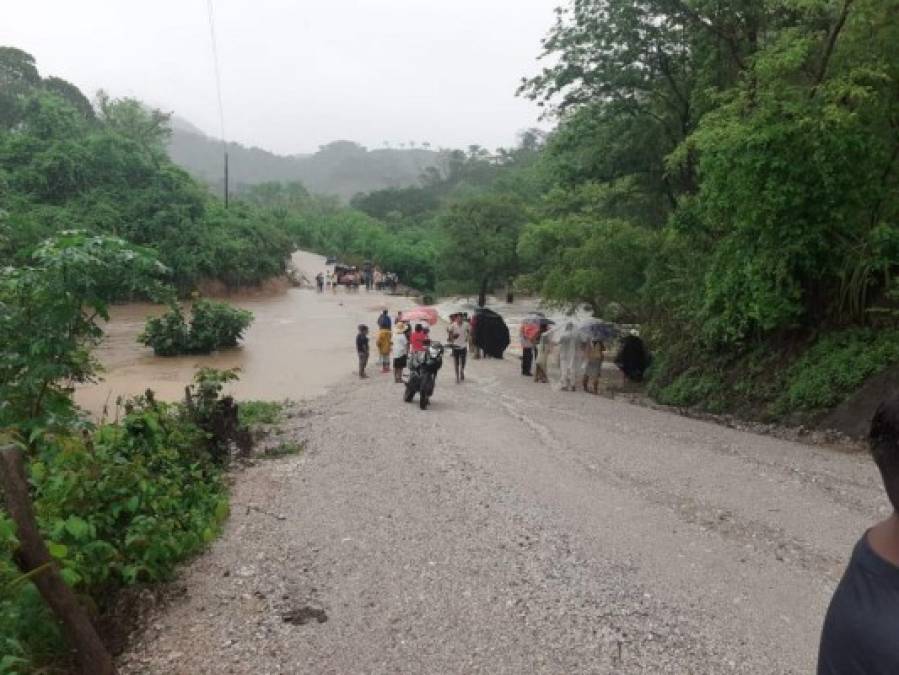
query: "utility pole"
226, 179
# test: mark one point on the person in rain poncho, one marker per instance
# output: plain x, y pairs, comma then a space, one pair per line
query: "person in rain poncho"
571, 357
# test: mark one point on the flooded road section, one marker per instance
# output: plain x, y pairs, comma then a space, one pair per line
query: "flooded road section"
299, 345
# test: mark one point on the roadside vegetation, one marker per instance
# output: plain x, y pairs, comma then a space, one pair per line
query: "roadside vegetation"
93, 509
67, 164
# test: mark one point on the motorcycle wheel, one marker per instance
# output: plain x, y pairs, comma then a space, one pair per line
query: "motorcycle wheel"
427, 388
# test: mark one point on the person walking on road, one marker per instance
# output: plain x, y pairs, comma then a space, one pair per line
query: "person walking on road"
527, 351
570, 357
400, 350
596, 350
384, 343
457, 339
384, 320
861, 628
320, 282
362, 349
541, 363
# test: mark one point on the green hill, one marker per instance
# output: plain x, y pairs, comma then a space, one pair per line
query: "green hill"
340, 168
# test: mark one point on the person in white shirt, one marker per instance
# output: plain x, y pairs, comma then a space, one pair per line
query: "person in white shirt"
457, 335
400, 350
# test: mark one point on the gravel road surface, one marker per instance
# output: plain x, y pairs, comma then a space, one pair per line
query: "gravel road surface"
514, 528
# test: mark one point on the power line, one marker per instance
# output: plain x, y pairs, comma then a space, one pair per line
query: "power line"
218, 89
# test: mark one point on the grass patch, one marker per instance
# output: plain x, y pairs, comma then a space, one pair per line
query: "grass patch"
834, 367
691, 388
284, 449
790, 380
257, 413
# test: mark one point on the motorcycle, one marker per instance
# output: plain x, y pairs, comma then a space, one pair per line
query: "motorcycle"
423, 367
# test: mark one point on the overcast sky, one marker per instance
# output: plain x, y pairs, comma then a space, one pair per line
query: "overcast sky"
299, 73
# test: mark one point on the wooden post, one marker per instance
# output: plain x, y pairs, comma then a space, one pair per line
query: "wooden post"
90, 652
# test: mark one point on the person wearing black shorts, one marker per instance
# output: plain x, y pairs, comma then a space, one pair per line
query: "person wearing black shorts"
457, 339
400, 350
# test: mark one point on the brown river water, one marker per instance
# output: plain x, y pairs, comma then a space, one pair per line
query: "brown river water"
300, 344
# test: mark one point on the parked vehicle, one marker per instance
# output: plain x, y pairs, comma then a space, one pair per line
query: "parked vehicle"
423, 367
331, 260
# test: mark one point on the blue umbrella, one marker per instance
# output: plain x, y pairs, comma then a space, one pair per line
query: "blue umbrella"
597, 329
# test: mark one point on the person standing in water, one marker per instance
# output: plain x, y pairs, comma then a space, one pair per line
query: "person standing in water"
861, 628
457, 339
320, 282
362, 349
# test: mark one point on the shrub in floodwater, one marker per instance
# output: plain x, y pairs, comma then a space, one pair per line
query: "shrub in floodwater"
213, 325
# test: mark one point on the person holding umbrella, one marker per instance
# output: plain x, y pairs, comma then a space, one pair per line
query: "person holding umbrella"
532, 329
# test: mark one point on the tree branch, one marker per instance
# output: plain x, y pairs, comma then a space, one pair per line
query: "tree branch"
32, 555
831, 45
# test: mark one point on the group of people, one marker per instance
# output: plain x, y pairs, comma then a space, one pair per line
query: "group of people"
353, 279
581, 356
395, 341
326, 281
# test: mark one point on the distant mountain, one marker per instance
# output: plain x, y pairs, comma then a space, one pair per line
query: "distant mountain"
340, 168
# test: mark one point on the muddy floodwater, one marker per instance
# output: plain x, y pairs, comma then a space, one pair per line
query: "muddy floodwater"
299, 345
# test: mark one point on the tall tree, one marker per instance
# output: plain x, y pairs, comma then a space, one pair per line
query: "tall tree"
481, 238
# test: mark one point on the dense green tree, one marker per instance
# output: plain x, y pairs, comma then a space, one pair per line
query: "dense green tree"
480, 250
62, 167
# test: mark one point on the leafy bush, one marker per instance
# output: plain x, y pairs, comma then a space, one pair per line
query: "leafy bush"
168, 335
835, 367
213, 325
690, 388
122, 505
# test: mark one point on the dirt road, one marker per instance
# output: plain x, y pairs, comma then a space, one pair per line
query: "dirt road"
513, 528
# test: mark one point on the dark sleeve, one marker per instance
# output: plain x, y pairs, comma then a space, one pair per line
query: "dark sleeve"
861, 628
